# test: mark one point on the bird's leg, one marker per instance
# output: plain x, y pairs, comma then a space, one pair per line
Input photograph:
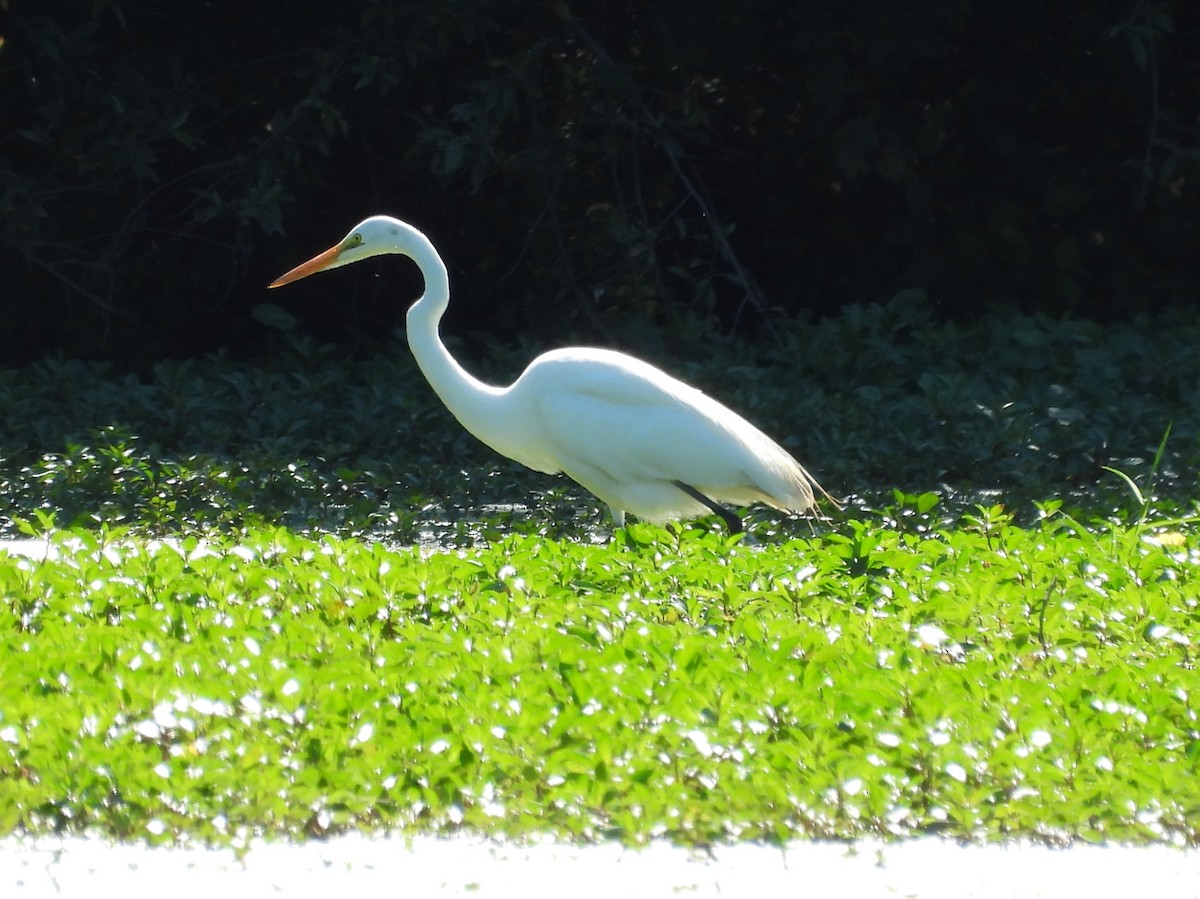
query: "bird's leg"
618, 516
731, 520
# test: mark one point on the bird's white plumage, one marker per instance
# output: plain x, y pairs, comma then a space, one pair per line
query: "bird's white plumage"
628, 432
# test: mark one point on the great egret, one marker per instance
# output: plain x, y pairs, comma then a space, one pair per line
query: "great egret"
639, 439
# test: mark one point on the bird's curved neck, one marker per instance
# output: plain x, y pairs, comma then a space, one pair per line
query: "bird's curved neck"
469, 400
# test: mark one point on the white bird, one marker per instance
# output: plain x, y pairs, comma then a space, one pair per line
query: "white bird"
642, 441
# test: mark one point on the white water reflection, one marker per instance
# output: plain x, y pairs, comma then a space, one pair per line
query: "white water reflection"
476, 867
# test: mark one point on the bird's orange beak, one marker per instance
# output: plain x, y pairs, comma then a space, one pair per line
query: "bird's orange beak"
318, 263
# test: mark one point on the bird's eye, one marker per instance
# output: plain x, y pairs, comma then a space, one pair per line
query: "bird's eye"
355, 240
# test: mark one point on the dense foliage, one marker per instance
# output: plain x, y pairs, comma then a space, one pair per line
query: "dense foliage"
588, 166
981, 682
1011, 409
294, 599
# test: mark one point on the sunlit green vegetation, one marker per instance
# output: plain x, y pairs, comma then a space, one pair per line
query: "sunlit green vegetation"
296, 599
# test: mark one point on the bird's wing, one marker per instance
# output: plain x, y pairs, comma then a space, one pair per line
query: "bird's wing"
625, 418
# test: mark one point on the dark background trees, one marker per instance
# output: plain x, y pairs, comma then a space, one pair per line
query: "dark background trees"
588, 168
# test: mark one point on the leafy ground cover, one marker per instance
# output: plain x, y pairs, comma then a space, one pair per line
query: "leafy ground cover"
1010, 409
987, 682
292, 600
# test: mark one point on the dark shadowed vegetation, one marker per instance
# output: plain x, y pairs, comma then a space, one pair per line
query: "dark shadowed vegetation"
588, 169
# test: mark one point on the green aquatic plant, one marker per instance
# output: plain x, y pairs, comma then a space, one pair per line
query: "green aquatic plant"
295, 599
980, 682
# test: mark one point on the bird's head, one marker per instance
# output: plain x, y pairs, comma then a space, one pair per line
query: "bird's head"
370, 237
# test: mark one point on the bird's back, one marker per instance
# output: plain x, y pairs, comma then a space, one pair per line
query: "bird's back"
628, 432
